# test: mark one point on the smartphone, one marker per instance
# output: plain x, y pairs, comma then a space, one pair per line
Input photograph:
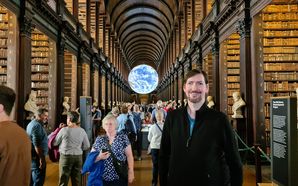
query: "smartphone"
104, 150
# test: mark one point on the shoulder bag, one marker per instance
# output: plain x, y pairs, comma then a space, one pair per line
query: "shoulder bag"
121, 167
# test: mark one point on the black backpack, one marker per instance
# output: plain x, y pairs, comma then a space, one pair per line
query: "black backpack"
129, 129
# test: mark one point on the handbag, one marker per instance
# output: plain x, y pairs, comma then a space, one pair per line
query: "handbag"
121, 167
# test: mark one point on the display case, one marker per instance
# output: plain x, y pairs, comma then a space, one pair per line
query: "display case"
279, 51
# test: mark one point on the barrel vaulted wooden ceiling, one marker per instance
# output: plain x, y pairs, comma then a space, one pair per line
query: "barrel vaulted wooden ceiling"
142, 28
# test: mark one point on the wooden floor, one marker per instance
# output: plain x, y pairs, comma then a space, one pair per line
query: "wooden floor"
142, 173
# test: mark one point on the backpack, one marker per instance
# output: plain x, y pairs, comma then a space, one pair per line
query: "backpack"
54, 154
129, 129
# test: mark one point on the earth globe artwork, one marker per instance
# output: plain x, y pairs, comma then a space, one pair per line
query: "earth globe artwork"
143, 79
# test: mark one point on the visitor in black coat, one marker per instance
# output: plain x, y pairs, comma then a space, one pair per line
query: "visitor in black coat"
198, 145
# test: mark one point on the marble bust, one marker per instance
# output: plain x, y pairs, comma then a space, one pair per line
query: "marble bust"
179, 103
210, 102
95, 103
238, 104
185, 102
65, 105
31, 105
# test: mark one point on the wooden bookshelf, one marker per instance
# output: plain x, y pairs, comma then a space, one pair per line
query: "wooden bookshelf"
86, 79
92, 19
69, 5
83, 13
189, 19
40, 67
231, 69
280, 51
3, 44
198, 13
70, 78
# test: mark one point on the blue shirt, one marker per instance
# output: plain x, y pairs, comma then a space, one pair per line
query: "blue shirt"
38, 135
154, 112
137, 120
118, 147
191, 124
121, 122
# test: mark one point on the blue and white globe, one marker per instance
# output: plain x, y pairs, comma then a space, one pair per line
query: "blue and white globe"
143, 79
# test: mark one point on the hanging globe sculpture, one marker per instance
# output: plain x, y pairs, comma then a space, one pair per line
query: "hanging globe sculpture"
143, 79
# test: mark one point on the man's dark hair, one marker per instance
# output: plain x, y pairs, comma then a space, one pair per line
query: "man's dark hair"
7, 98
41, 111
73, 117
194, 72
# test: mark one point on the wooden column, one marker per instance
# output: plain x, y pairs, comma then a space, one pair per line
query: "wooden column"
80, 76
193, 18
92, 80
106, 93
24, 68
75, 8
199, 61
88, 16
185, 23
97, 6
182, 77
246, 88
179, 34
215, 72
104, 35
188, 58
60, 77
177, 83
100, 86
109, 43
111, 89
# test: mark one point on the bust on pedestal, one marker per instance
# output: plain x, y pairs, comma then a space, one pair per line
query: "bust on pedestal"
179, 103
210, 102
185, 102
95, 103
239, 122
237, 106
65, 105
31, 105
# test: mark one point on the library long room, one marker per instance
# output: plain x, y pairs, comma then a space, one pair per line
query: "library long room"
220, 75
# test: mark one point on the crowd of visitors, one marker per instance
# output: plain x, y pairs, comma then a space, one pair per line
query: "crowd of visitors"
176, 130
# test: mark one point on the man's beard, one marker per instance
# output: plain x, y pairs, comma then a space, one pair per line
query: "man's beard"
194, 100
197, 99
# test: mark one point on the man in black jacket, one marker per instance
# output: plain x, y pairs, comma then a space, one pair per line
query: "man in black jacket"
198, 145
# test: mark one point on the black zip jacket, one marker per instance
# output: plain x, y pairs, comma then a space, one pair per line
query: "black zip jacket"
209, 157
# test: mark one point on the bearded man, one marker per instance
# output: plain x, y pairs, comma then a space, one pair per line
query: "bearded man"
198, 145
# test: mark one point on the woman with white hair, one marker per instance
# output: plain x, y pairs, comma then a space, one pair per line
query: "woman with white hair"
159, 106
114, 147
